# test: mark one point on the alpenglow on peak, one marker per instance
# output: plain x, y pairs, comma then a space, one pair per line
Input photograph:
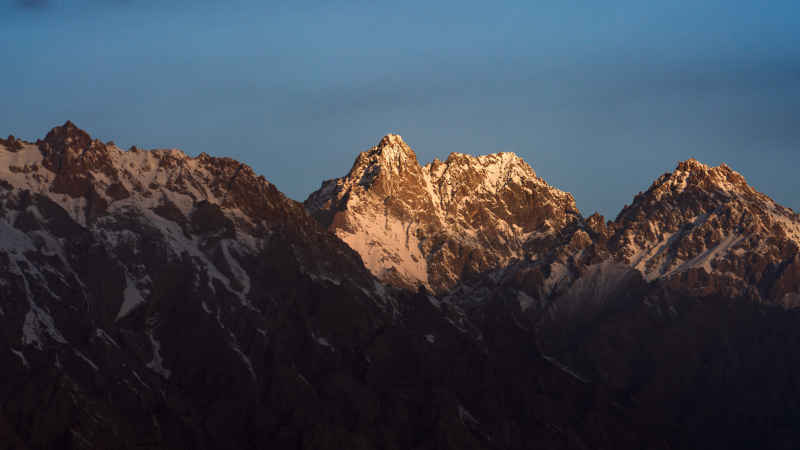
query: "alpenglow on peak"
431, 225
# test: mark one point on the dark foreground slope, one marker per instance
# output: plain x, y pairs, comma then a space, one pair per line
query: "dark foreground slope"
153, 300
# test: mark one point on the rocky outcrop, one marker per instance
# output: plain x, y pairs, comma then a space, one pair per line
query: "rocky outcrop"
156, 300
709, 218
449, 221
680, 305
702, 229
436, 224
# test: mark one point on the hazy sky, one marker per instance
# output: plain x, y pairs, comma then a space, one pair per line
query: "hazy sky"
598, 97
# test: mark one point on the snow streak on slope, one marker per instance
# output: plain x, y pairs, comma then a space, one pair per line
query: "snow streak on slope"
87, 230
388, 248
430, 224
703, 217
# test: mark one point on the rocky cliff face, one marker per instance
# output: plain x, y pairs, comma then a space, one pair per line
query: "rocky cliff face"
687, 298
433, 225
149, 299
445, 222
709, 218
698, 231
144, 293
681, 304
701, 228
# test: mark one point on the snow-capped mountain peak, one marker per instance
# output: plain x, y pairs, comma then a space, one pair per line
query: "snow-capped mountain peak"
434, 224
692, 174
704, 217
393, 147
160, 204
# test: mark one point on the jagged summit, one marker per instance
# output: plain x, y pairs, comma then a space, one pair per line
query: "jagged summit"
182, 301
390, 156
67, 136
392, 140
147, 268
693, 186
699, 228
705, 217
393, 145
92, 179
692, 174
433, 224
178, 300
692, 162
495, 171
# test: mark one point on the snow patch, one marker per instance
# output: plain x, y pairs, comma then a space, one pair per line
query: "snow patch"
386, 243
705, 258
132, 298
465, 416
558, 273
245, 360
88, 361
21, 357
105, 336
323, 342
157, 363
139, 379
238, 272
565, 369
37, 324
525, 301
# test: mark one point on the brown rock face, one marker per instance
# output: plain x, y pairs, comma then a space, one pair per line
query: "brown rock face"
710, 218
149, 299
683, 303
154, 300
700, 230
435, 224
11, 143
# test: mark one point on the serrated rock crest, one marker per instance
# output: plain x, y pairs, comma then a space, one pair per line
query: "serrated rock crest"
432, 225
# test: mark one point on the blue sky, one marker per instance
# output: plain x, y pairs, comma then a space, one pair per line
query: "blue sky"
599, 97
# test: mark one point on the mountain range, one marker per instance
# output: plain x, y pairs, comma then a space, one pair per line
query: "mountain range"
149, 299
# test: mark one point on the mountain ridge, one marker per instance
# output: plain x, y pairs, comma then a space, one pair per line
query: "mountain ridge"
443, 214
430, 210
157, 300
424, 204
